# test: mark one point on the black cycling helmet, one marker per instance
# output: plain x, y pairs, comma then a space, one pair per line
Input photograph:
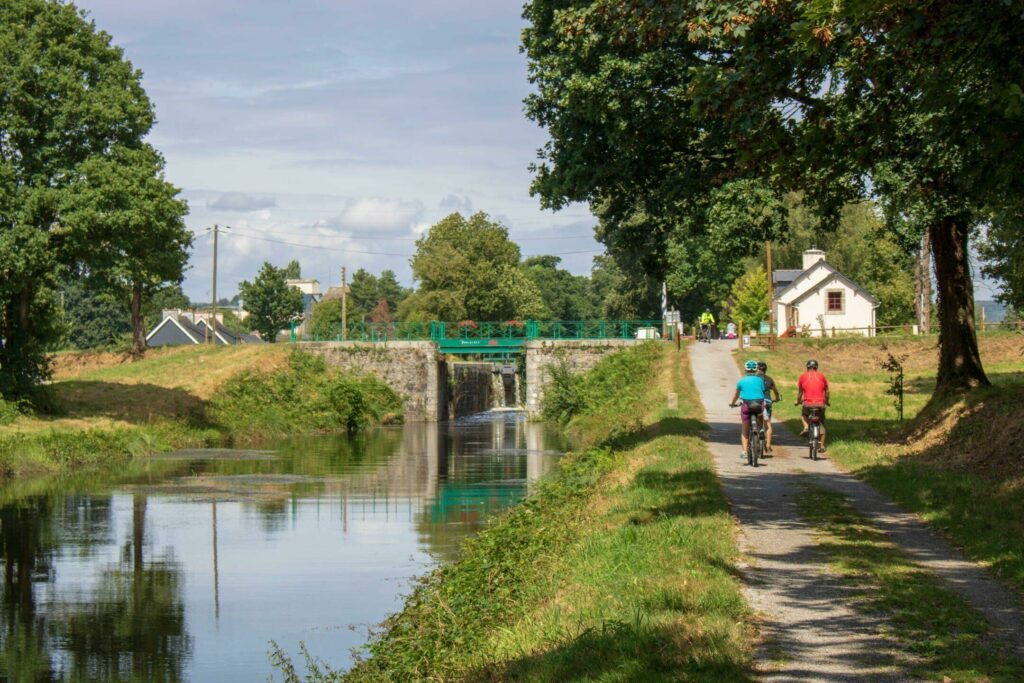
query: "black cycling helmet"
761, 365
812, 364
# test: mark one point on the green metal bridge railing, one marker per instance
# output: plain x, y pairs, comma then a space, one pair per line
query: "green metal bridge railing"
509, 333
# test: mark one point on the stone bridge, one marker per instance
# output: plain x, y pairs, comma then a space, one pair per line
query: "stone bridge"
429, 381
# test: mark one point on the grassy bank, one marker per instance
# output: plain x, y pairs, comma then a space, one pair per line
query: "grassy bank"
957, 464
108, 410
620, 566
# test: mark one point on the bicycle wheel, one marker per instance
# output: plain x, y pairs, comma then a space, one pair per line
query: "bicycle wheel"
750, 448
814, 442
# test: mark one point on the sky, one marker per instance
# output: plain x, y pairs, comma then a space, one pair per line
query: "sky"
336, 131
344, 126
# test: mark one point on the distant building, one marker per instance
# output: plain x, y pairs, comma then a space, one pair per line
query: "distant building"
311, 287
819, 297
179, 328
311, 296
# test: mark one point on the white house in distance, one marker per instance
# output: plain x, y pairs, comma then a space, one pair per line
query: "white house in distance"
820, 299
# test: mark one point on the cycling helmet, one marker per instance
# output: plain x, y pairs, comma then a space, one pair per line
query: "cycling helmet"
812, 365
751, 366
761, 365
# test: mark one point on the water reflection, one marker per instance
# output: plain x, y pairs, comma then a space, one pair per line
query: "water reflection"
185, 567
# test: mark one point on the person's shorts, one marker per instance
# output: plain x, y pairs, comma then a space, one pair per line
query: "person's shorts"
818, 406
750, 408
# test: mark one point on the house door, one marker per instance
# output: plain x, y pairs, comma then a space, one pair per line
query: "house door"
792, 317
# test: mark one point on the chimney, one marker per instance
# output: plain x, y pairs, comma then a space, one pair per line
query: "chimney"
812, 256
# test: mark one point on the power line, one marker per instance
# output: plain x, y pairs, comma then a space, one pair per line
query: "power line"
379, 253
364, 236
319, 247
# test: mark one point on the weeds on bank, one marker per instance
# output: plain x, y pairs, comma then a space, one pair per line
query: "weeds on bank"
946, 637
303, 397
606, 402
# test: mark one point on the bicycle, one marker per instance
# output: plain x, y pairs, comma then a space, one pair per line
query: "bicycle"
705, 333
756, 439
814, 431
755, 442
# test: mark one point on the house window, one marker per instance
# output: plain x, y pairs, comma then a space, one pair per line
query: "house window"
834, 301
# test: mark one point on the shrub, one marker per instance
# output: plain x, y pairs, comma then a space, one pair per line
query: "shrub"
9, 411
608, 393
303, 396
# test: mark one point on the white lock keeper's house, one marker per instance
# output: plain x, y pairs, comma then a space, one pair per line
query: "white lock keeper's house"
820, 299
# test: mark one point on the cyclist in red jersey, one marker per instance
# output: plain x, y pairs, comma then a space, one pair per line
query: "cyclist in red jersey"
812, 391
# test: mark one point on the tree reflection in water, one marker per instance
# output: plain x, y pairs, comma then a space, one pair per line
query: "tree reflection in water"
128, 626
97, 584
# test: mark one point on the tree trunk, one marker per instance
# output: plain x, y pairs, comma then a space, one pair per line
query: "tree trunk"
959, 360
138, 330
138, 532
923, 286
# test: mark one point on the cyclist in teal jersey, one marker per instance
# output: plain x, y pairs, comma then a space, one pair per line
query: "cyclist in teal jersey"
749, 390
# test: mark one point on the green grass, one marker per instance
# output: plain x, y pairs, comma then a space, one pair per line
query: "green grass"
945, 638
967, 482
621, 567
106, 423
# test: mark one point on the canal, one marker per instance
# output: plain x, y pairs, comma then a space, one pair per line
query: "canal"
187, 565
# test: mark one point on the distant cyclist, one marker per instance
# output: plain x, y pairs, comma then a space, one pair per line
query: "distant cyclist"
749, 390
706, 322
770, 389
812, 391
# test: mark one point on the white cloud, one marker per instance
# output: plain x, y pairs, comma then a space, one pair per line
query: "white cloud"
379, 215
240, 201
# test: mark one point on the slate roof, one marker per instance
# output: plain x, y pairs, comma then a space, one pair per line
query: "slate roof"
785, 276
196, 332
831, 269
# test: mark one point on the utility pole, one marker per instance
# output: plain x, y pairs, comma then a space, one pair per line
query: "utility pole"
209, 335
771, 297
344, 304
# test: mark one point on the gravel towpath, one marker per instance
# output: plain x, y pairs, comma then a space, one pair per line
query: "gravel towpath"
810, 630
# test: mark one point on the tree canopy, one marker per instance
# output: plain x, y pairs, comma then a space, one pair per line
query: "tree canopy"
123, 207
69, 102
366, 290
468, 268
656, 105
566, 296
271, 302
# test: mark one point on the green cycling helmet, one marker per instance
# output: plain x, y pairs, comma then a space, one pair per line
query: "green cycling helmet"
751, 365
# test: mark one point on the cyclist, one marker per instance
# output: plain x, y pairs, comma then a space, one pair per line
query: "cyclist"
749, 390
706, 321
812, 391
770, 388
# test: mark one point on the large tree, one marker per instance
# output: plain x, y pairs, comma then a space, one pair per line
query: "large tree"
93, 318
271, 302
468, 268
919, 103
121, 203
367, 289
566, 296
67, 96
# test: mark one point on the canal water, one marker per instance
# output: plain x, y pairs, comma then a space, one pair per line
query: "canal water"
185, 567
